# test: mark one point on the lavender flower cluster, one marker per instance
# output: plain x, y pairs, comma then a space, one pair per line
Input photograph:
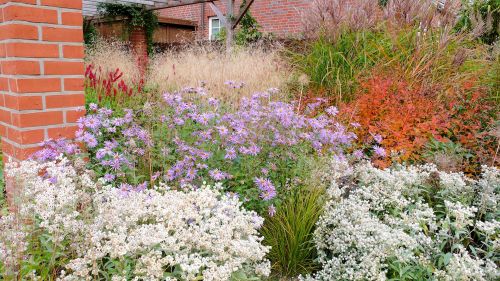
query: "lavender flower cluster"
51, 149
113, 143
190, 139
211, 144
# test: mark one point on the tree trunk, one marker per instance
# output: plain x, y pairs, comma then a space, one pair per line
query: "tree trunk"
229, 25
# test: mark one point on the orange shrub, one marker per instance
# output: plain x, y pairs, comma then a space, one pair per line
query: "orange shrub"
472, 124
405, 117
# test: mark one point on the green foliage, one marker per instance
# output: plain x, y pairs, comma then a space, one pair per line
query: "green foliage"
248, 31
401, 271
455, 150
334, 66
89, 32
486, 10
138, 16
493, 81
48, 256
383, 3
290, 231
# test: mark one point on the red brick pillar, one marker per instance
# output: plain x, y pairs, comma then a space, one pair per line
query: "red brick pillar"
140, 48
41, 72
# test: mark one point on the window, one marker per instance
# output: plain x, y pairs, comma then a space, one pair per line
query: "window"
214, 27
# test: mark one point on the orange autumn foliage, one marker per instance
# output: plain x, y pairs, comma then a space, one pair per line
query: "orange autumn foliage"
472, 124
405, 117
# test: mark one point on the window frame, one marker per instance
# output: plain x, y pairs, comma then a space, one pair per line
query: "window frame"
210, 27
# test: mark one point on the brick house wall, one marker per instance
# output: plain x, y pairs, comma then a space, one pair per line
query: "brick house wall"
279, 17
41, 73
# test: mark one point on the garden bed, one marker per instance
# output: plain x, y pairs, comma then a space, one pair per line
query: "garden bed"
369, 153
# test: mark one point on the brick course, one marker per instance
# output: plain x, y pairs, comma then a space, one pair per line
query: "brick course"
279, 17
41, 73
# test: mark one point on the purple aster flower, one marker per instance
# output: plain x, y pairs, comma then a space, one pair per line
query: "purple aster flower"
271, 211
105, 111
191, 174
218, 175
204, 155
178, 121
230, 153
266, 187
313, 106
53, 148
201, 91
379, 151
141, 187
125, 189
171, 99
71, 149
201, 166
332, 110
377, 138
204, 135
251, 150
118, 122
93, 106
339, 157
223, 131
92, 122
129, 115
204, 118
171, 175
213, 102
89, 139
155, 176
358, 154
109, 177
116, 161
101, 153
80, 122
110, 145
317, 145
355, 124
234, 84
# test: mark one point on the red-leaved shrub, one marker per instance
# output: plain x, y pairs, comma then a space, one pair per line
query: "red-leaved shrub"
408, 117
405, 117
472, 124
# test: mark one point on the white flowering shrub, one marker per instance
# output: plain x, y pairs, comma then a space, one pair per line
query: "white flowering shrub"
84, 231
409, 223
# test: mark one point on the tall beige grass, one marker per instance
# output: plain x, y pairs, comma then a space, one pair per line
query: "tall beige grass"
330, 17
110, 55
257, 67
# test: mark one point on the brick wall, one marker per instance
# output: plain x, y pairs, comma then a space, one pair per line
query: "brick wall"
41, 72
280, 17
